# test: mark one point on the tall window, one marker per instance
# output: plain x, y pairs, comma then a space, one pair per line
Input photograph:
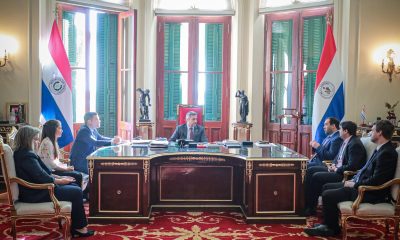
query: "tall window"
295, 45
193, 57
90, 40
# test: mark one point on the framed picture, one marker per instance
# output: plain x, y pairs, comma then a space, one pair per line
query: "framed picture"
17, 112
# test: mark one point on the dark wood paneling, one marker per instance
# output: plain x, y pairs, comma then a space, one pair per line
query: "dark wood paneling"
123, 196
208, 183
275, 192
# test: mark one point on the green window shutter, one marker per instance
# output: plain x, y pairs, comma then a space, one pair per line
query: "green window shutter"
314, 31
172, 84
281, 59
213, 57
106, 82
69, 40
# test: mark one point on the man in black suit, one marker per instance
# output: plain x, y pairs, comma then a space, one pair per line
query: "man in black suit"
329, 148
351, 157
379, 169
190, 130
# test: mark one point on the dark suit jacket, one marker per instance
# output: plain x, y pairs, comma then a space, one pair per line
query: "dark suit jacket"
86, 143
31, 168
329, 150
181, 133
380, 170
354, 156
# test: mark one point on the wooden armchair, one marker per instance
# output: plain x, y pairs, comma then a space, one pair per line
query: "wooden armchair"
21, 210
387, 211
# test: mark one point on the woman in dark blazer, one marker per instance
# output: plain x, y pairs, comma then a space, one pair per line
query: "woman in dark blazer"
30, 167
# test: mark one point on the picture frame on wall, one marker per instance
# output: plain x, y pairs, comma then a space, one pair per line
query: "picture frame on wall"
17, 112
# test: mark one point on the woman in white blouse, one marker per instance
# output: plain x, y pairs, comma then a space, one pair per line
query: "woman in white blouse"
49, 152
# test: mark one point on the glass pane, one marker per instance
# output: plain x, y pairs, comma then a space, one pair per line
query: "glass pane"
281, 94
74, 28
281, 44
78, 94
210, 92
210, 47
281, 3
176, 42
308, 96
314, 30
174, 85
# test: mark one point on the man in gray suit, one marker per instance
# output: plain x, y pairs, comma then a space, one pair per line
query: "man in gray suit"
190, 130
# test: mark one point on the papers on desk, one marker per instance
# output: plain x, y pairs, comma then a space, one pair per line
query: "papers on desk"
264, 144
159, 143
232, 143
140, 143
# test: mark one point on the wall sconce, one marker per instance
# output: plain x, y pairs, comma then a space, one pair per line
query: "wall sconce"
388, 64
8, 45
3, 60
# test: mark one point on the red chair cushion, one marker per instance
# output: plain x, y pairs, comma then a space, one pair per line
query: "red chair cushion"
182, 110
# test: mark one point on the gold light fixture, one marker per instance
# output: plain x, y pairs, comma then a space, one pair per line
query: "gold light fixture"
3, 60
388, 64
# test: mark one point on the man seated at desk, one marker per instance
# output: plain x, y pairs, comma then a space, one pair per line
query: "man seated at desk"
87, 140
190, 130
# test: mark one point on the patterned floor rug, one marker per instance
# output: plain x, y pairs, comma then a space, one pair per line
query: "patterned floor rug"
188, 225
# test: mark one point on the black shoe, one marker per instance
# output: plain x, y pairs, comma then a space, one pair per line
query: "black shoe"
321, 230
309, 212
76, 234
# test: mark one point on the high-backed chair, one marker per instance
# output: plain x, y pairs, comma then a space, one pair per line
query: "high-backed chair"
184, 108
386, 211
21, 210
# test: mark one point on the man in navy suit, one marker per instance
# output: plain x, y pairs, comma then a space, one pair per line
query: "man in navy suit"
87, 140
190, 130
329, 148
379, 169
351, 157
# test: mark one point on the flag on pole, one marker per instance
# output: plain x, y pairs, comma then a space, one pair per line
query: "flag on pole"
329, 92
57, 87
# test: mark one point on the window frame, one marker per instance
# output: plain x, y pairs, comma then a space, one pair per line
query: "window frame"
193, 71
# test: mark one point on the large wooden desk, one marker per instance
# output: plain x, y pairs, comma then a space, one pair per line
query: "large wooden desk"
265, 183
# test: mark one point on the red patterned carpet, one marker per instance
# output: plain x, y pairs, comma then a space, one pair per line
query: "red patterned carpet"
187, 225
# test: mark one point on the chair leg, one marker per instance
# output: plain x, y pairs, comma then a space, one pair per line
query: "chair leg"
344, 227
67, 231
14, 228
59, 220
387, 225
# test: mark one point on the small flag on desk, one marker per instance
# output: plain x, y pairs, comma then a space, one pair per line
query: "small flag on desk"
57, 87
363, 114
329, 92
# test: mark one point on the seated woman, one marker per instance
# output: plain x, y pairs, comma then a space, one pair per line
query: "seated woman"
30, 167
48, 151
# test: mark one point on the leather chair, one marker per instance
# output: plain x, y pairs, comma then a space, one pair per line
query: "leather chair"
60, 210
184, 108
386, 211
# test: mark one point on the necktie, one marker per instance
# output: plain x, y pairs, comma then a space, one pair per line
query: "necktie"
357, 176
339, 161
191, 133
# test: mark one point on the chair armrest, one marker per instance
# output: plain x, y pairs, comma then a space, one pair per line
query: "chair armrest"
48, 186
347, 174
363, 188
327, 162
65, 160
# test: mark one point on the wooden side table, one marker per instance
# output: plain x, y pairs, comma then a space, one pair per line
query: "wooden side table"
241, 131
145, 129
